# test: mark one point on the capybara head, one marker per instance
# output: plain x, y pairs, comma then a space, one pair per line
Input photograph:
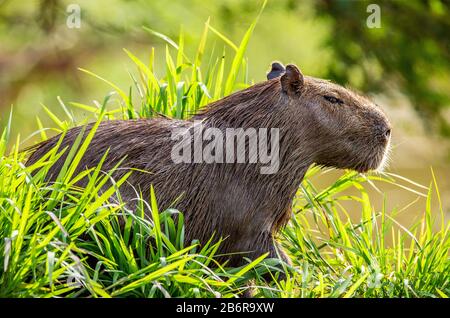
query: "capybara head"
347, 130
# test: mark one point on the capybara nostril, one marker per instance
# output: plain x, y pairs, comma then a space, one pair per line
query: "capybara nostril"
387, 133
382, 132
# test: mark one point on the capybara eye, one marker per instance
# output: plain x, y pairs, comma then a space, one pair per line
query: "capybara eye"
333, 100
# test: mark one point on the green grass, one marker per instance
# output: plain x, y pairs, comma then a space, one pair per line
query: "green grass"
58, 240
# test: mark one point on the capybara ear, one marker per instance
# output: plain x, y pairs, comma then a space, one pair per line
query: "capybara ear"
292, 80
276, 71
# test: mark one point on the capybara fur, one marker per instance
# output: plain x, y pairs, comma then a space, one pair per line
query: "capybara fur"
319, 123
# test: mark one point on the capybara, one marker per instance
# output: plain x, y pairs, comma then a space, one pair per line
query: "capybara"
315, 122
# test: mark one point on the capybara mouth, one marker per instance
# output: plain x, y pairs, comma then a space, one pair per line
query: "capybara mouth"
377, 161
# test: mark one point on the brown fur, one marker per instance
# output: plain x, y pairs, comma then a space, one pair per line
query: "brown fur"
235, 201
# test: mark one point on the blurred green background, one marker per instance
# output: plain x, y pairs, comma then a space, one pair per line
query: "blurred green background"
404, 65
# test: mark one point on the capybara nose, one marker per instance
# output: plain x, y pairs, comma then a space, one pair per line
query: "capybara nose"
383, 132
387, 133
